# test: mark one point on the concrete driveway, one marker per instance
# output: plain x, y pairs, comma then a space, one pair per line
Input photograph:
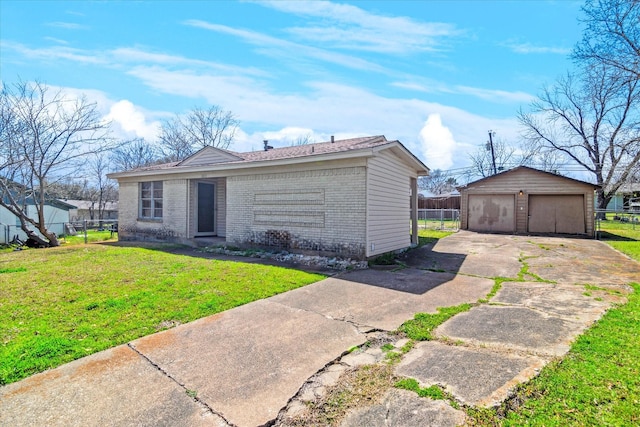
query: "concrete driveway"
246, 366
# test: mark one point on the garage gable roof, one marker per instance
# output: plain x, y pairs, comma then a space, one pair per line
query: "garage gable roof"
521, 169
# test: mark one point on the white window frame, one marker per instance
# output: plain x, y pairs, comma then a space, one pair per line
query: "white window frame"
150, 201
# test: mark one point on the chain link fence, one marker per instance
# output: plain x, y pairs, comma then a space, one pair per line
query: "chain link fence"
439, 219
607, 219
13, 234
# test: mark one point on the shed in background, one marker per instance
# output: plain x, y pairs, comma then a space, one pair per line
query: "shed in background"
527, 200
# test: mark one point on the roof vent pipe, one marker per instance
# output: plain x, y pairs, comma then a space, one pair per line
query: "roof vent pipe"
266, 145
332, 139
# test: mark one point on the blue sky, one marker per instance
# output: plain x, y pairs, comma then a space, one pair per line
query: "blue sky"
437, 75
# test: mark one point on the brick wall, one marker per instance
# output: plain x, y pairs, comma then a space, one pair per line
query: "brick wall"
320, 210
172, 226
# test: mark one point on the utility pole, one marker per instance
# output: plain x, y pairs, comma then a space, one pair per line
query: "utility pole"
493, 153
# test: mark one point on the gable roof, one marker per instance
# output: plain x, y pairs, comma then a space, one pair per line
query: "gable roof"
17, 191
520, 169
212, 158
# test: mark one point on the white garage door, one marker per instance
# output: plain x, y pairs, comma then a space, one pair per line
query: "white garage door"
491, 212
557, 214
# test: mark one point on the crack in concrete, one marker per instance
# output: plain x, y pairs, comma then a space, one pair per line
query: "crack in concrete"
186, 390
360, 328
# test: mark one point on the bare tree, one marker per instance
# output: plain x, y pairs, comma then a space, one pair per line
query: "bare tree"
612, 35
593, 119
45, 137
105, 189
438, 182
531, 155
303, 140
184, 135
133, 154
482, 158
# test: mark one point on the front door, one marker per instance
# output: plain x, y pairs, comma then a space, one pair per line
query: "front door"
206, 209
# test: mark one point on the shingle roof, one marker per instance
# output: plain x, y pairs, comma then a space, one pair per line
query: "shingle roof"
518, 168
314, 149
283, 153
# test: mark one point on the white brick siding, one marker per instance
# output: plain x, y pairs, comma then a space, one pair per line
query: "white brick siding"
322, 210
172, 226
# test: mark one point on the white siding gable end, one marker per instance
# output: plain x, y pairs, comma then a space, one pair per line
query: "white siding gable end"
210, 156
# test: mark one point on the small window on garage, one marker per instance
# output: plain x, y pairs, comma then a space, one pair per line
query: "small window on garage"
151, 200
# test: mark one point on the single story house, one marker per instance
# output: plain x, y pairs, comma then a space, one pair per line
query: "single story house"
627, 198
354, 197
526, 200
88, 210
56, 213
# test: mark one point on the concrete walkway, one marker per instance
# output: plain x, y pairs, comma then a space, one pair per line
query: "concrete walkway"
244, 367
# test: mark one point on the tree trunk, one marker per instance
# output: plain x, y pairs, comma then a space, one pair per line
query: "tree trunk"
33, 236
603, 201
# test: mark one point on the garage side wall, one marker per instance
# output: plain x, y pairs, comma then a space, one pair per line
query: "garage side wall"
530, 183
388, 204
315, 210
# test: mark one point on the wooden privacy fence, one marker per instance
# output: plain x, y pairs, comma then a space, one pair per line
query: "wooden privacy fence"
439, 202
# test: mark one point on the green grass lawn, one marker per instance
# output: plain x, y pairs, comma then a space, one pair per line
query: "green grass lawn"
598, 382
60, 304
624, 236
429, 236
93, 236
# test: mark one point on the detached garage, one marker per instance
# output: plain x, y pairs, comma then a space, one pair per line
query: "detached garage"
527, 200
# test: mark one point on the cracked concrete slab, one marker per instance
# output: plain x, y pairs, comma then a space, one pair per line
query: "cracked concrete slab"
473, 376
405, 408
516, 328
246, 363
459, 254
582, 261
571, 302
384, 300
113, 387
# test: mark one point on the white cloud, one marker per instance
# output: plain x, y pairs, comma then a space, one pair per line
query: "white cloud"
331, 109
289, 135
55, 40
132, 120
293, 51
439, 146
527, 48
492, 95
354, 28
53, 53
140, 56
67, 25
495, 95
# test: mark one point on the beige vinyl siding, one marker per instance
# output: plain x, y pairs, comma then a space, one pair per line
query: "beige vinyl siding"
388, 204
530, 182
209, 156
